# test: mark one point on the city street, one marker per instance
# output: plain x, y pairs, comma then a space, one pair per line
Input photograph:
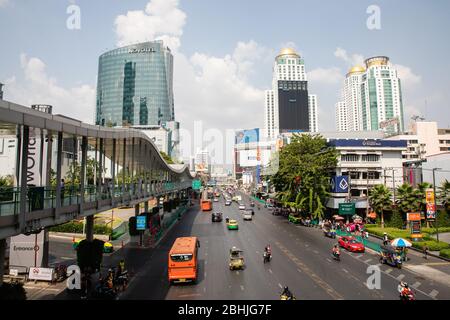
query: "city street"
301, 260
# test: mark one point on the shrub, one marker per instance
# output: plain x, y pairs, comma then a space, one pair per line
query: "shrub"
432, 245
445, 253
77, 227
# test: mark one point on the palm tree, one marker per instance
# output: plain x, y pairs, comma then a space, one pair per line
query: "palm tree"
407, 199
380, 200
444, 193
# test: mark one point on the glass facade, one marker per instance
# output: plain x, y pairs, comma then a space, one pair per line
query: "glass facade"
135, 86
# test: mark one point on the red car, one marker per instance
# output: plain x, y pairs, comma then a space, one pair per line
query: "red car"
351, 244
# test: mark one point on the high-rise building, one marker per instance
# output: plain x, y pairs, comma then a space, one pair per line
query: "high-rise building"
1, 91
135, 86
313, 117
372, 97
202, 161
341, 116
381, 94
288, 107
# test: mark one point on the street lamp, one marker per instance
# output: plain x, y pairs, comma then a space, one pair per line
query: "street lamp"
435, 205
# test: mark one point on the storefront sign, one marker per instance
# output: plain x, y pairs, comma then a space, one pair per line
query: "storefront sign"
413, 216
42, 274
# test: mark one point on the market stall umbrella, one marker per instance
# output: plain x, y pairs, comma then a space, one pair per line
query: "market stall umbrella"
400, 242
338, 218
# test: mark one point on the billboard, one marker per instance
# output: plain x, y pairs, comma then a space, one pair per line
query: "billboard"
431, 207
339, 184
247, 136
253, 157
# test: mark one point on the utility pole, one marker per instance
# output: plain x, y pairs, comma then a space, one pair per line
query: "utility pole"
435, 205
393, 183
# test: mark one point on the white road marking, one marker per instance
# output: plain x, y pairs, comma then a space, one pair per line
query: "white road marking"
357, 257
416, 285
242, 288
389, 271
204, 289
344, 270
367, 261
400, 277
206, 261
329, 260
299, 270
270, 271
280, 285
237, 272
316, 252
433, 293
205, 274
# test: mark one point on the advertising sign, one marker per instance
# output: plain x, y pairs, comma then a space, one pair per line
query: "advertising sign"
339, 184
42, 274
346, 209
141, 223
26, 251
247, 136
431, 207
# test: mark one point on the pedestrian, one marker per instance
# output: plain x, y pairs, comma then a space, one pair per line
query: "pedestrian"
425, 252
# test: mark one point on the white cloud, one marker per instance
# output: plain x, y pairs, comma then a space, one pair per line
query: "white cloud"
3, 3
331, 75
161, 19
407, 76
351, 60
77, 102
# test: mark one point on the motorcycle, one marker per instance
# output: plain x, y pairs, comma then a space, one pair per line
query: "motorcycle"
60, 273
407, 296
102, 291
122, 280
267, 256
336, 256
287, 297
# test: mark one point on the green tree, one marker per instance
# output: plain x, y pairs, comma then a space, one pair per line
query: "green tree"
444, 194
302, 179
396, 220
380, 200
407, 199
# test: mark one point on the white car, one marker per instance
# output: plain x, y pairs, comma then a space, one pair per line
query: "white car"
241, 207
248, 215
216, 200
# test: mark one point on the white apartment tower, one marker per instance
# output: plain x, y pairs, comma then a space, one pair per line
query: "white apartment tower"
288, 106
341, 116
372, 95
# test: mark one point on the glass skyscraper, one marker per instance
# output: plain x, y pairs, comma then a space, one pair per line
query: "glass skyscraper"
135, 86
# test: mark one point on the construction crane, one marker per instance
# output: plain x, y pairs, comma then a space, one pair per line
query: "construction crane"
416, 117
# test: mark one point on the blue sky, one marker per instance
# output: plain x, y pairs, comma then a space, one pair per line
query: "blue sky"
225, 51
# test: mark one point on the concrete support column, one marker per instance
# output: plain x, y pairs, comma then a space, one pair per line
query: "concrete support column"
136, 209
59, 194
100, 170
84, 143
90, 228
124, 165
2, 259
113, 171
23, 177
146, 206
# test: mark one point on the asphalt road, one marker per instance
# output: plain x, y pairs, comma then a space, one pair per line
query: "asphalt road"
301, 260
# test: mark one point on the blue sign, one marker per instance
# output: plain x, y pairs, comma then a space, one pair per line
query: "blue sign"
339, 184
141, 222
247, 136
370, 143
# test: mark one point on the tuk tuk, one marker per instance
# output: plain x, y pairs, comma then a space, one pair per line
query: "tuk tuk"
329, 232
236, 259
388, 255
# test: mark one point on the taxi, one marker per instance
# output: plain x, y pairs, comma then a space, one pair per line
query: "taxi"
232, 225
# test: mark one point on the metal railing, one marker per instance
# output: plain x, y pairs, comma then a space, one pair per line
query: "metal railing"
41, 198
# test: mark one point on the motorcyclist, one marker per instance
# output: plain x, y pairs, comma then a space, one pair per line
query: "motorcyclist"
268, 251
405, 292
336, 251
287, 293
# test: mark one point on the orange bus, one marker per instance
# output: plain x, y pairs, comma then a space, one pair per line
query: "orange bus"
183, 265
205, 202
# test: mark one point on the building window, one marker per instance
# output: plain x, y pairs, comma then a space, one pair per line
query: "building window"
370, 158
350, 158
